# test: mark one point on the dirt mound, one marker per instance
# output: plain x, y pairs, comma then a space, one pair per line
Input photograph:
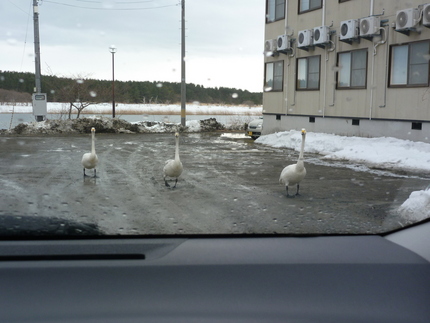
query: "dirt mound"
211, 124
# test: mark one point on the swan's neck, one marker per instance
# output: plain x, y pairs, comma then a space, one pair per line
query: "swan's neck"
302, 149
93, 145
177, 149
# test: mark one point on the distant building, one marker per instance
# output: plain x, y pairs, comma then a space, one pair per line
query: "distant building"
349, 67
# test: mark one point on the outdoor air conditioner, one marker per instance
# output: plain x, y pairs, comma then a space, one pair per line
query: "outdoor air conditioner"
407, 18
305, 38
321, 35
426, 14
283, 43
348, 29
270, 45
370, 26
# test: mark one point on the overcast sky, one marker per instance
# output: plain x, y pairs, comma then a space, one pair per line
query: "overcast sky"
224, 40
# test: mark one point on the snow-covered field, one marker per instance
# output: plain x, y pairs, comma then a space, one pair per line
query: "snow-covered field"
106, 108
382, 153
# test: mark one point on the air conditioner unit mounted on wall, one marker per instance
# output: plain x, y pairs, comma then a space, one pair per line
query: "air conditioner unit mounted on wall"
321, 35
426, 14
283, 43
370, 26
348, 29
270, 46
304, 38
407, 19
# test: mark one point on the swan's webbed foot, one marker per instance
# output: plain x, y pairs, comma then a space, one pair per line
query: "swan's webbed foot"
297, 193
167, 184
84, 173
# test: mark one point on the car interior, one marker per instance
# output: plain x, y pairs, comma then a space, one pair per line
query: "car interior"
261, 278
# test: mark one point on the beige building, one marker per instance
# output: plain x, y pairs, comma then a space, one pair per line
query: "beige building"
349, 67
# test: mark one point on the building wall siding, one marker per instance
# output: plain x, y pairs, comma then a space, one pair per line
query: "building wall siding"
377, 102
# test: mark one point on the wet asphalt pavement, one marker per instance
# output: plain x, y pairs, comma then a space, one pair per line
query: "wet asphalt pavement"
229, 185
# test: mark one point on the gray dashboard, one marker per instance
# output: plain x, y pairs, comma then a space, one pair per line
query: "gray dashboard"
213, 279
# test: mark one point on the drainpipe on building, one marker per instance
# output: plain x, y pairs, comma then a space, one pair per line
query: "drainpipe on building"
384, 39
326, 62
386, 31
288, 65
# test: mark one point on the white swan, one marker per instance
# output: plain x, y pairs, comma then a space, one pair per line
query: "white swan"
90, 160
293, 174
173, 167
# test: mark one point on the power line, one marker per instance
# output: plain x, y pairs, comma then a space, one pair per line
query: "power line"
25, 39
112, 9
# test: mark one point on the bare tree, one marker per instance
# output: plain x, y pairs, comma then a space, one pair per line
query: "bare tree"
80, 94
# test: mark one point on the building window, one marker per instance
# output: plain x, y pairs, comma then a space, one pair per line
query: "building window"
309, 5
410, 64
308, 73
275, 10
274, 76
278, 117
311, 119
352, 69
355, 122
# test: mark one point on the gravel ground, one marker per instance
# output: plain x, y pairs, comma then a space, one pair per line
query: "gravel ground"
229, 185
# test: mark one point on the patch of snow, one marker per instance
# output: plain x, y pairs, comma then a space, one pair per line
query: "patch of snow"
384, 152
193, 126
416, 207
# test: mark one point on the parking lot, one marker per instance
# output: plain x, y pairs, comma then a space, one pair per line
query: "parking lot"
229, 185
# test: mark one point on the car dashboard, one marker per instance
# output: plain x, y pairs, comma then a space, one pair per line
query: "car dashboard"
218, 279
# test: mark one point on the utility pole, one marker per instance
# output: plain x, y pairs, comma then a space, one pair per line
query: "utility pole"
183, 84
39, 99
38, 88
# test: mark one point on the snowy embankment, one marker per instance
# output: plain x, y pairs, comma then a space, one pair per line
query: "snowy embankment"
381, 153
110, 125
93, 116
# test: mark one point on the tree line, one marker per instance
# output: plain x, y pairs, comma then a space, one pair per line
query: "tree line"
83, 89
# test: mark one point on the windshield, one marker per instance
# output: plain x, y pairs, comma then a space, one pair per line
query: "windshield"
172, 118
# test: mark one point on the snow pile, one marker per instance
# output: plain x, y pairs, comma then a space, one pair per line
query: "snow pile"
416, 207
384, 152
109, 125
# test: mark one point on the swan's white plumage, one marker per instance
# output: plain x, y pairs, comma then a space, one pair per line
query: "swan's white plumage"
90, 160
294, 174
173, 167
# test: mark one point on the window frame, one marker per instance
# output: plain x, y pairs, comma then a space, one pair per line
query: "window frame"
409, 64
281, 77
310, 9
277, 4
308, 73
352, 87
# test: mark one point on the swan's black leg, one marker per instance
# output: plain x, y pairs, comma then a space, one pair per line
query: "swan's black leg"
175, 183
95, 173
288, 195
84, 172
165, 182
297, 193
